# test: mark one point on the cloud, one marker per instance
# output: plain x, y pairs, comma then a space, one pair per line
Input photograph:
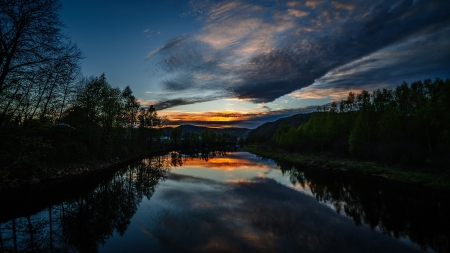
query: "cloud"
292, 4
312, 4
297, 13
313, 92
417, 58
168, 102
146, 102
260, 51
179, 101
348, 7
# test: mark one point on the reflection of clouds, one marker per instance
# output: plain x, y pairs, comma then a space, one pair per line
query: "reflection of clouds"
256, 216
226, 163
303, 188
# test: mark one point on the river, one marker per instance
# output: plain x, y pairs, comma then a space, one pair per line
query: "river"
225, 201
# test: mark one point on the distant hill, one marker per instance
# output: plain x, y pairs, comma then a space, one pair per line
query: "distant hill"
265, 131
233, 131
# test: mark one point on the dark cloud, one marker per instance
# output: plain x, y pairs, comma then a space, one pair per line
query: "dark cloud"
168, 103
269, 52
415, 59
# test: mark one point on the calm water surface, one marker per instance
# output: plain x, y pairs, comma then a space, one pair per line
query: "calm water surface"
225, 202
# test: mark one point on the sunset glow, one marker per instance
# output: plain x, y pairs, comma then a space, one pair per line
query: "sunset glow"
225, 163
243, 63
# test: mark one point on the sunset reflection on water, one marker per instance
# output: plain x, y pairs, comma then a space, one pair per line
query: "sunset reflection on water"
234, 168
216, 201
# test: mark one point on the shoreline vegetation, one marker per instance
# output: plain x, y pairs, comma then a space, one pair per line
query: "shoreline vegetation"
51, 173
59, 173
402, 134
431, 179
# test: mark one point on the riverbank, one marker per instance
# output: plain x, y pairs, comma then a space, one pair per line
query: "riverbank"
53, 174
435, 180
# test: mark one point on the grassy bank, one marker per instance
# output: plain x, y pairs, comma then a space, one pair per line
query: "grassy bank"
432, 178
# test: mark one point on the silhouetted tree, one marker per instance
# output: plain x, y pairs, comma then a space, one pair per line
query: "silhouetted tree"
36, 58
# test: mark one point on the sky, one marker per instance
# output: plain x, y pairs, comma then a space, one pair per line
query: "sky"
242, 63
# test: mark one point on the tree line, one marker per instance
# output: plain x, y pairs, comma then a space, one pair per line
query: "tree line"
409, 124
98, 122
204, 139
49, 112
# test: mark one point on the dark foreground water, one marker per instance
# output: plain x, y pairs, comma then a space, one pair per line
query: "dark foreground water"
225, 202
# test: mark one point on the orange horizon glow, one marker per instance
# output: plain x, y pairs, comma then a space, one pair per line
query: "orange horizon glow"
225, 116
177, 118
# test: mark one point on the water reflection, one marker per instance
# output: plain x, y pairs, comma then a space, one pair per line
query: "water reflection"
83, 223
258, 216
419, 214
227, 201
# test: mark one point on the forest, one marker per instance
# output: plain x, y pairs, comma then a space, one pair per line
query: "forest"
407, 125
49, 111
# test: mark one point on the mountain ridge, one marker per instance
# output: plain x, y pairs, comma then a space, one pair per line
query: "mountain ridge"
265, 131
233, 131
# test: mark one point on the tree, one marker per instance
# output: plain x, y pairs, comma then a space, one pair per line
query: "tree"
150, 125
176, 135
35, 57
30, 35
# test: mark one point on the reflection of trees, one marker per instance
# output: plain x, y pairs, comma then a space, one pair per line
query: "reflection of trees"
83, 223
395, 210
206, 154
176, 159
34, 234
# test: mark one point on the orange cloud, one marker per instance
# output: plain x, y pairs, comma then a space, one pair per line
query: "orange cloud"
297, 13
312, 4
292, 3
146, 102
332, 93
348, 7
